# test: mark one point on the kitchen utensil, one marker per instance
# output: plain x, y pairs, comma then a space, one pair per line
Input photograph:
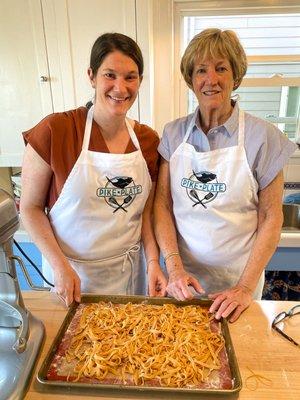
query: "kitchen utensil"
194, 194
112, 200
126, 200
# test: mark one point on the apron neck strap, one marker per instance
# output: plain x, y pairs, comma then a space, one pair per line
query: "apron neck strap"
88, 130
191, 125
132, 134
241, 132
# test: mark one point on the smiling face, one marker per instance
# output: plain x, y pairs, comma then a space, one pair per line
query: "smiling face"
213, 82
117, 82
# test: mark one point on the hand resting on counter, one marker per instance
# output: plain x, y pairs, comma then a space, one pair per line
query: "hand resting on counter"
227, 303
231, 302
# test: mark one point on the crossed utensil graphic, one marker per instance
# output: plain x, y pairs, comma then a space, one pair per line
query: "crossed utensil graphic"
120, 183
125, 201
194, 194
203, 177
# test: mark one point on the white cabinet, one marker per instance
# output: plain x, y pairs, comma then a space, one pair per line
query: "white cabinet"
44, 51
24, 98
71, 27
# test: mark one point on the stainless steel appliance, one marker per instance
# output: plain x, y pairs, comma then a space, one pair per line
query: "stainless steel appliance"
21, 334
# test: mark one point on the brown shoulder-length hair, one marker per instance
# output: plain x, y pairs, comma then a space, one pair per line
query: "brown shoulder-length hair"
110, 42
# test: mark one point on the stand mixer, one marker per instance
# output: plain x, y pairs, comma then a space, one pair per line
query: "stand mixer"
21, 334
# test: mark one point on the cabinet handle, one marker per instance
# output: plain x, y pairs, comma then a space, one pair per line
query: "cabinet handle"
44, 78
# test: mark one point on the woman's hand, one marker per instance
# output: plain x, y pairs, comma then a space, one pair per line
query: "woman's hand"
179, 282
157, 281
67, 284
231, 302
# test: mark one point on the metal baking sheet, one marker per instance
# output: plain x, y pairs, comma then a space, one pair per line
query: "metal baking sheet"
47, 385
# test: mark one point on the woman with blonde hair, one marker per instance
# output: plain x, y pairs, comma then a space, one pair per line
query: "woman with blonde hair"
218, 207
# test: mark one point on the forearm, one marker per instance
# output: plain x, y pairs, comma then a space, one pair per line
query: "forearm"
149, 241
165, 230
39, 229
164, 221
179, 280
148, 238
270, 219
265, 244
166, 236
156, 280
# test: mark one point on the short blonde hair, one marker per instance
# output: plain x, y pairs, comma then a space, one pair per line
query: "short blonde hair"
213, 43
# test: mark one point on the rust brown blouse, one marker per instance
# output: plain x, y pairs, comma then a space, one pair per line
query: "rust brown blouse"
58, 140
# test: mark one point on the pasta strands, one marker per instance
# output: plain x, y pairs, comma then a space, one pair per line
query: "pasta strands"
170, 345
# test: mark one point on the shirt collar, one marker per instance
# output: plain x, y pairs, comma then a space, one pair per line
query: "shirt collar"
231, 125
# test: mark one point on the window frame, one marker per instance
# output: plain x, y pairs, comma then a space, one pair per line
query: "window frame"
231, 7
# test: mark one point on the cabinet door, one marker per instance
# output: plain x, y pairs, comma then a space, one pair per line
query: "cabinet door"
71, 28
25, 95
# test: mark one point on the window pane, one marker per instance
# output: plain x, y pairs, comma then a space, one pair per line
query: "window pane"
261, 35
265, 34
267, 70
278, 105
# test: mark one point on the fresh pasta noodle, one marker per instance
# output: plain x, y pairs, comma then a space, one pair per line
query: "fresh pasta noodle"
252, 381
173, 346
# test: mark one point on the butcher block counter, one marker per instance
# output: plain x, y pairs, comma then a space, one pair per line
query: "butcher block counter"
258, 348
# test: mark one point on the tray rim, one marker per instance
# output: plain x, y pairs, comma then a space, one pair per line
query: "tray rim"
98, 388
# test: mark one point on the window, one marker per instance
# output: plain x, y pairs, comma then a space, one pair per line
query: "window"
271, 88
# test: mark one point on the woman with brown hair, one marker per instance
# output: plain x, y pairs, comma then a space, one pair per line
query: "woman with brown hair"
94, 170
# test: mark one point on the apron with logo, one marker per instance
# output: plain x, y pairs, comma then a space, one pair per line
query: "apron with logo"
97, 218
215, 206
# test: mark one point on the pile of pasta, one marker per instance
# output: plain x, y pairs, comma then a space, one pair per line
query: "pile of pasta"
167, 344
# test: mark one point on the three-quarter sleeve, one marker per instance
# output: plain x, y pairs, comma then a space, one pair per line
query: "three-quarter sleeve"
272, 154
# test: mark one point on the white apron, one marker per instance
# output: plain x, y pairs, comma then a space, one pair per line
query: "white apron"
215, 206
98, 216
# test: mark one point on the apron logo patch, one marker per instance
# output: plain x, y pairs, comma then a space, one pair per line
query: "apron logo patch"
202, 187
119, 192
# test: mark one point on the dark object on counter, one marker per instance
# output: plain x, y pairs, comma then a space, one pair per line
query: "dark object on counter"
281, 317
282, 285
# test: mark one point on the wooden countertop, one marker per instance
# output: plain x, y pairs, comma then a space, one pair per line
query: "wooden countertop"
256, 345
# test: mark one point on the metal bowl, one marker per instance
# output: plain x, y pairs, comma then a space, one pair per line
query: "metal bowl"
291, 216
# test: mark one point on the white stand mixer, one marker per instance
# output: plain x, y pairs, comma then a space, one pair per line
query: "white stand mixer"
21, 334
